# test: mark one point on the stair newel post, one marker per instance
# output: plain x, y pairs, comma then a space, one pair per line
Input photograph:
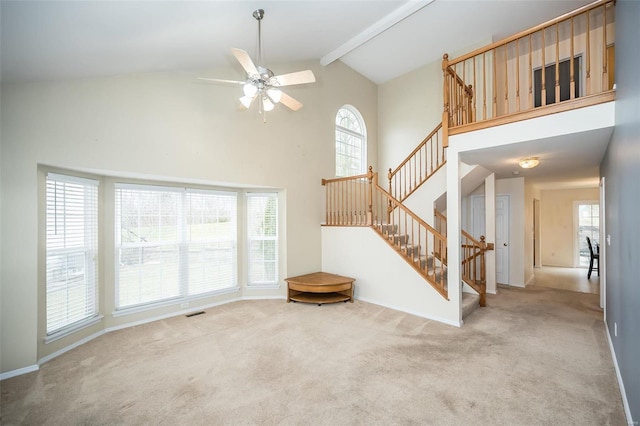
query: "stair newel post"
445, 113
390, 176
483, 271
370, 176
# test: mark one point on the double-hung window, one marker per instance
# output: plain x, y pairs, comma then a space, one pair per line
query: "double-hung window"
262, 232
173, 243
71, 251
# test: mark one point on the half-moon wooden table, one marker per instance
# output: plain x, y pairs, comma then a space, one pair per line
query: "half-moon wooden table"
320, 287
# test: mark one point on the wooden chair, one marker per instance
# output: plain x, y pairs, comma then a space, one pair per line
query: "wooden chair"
594, 258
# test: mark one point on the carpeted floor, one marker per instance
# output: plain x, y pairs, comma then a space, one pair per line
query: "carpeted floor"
537, 356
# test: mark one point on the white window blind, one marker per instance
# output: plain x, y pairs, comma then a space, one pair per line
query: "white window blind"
262, 232
71, 250
173, 243
350, 143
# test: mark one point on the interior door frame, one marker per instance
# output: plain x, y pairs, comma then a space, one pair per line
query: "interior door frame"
576, 231
476, 232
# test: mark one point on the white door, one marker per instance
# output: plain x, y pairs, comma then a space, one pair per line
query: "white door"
502, 239
502, 231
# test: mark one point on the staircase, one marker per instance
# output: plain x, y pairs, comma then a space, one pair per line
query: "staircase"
361, 201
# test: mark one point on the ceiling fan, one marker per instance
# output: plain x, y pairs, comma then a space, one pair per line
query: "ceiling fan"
261, 83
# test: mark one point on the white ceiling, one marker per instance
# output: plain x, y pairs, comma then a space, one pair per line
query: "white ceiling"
381, 39
49, 40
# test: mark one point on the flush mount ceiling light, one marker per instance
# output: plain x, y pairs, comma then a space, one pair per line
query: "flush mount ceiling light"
261, 83
529, 162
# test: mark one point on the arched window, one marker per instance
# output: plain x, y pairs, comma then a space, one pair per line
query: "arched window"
351, 142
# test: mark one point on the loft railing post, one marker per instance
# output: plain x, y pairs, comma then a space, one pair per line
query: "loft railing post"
445, 113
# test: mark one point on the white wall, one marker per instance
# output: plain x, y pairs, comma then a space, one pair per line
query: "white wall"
382, 276
165, 126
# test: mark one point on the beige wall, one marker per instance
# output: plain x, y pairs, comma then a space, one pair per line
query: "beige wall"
169, 127
410, 107
557, 224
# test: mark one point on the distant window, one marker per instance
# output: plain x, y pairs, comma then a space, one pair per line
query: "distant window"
351, 142
564, 82
72, 250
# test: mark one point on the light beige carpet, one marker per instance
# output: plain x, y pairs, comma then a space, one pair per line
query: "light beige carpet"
533, 357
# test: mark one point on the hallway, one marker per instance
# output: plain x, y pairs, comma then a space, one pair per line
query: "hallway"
571, 279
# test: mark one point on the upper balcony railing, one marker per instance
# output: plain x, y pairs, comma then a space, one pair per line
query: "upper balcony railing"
563, 64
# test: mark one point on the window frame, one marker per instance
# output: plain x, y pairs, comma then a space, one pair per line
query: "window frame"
351, 132
90, 249
274, 283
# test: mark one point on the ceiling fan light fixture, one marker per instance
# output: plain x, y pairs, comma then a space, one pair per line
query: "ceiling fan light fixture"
274, 94
529, 162
267, 105
246, 101
249, 90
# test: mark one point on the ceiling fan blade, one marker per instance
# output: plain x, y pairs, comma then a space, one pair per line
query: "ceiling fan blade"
217, 80
290, 103
300, 77
245, 60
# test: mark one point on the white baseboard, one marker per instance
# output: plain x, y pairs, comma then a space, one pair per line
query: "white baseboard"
71, 346
625, 401
418, 314
19, 372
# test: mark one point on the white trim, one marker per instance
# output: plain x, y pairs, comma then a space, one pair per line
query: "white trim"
531, 278
279, 297
173, 301
19, 372
623, 393
404, 11
418, 314
71, 346
72, 179
69, 330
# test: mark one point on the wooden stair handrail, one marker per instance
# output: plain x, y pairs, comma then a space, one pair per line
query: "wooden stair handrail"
422, 163
480, 88
531, 30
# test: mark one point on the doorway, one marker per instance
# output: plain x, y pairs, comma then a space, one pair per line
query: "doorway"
502, 248
587, 224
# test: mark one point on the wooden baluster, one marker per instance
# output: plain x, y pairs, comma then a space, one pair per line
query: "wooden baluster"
475, 83
572, 84
464, 104
389, 176
445, 96
506, 82
605, 76
543, 96
518, 75
370, 176
530, 74
557, 63
495, 83
587, 90
484, 87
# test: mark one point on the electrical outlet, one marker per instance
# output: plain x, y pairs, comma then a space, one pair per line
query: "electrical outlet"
615, 329
184, 305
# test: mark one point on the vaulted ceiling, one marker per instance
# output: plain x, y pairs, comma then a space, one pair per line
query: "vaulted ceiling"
381, 39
